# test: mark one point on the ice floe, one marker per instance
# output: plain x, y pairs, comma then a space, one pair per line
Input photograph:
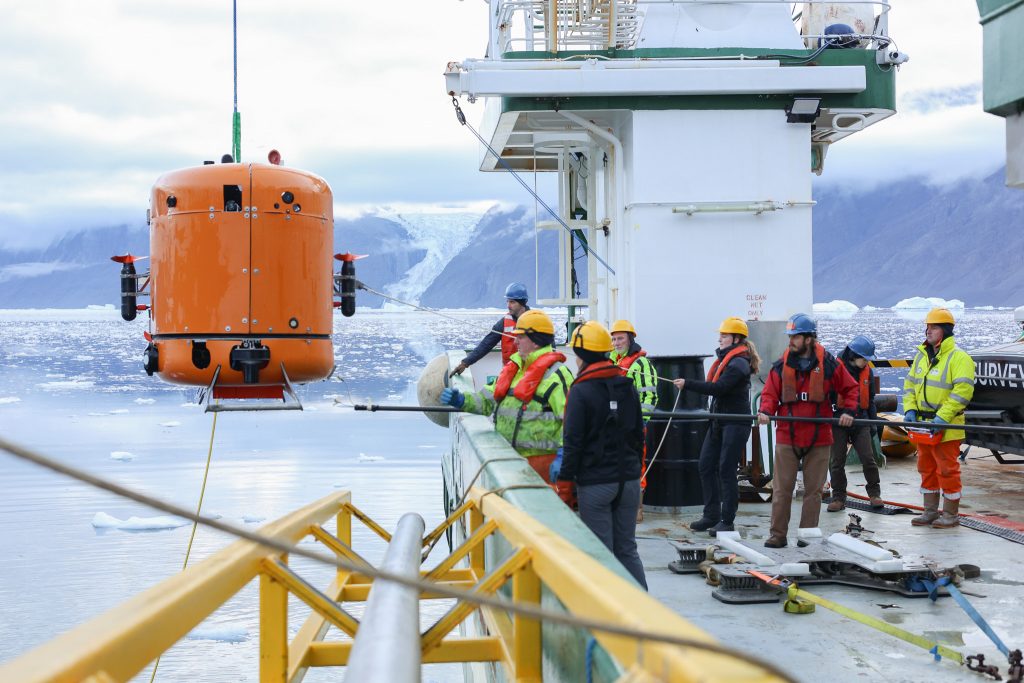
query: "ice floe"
171, 423
66, 384
363, 457
252, 519
101, 520
917, 303
221, 633
123, 456
145, 401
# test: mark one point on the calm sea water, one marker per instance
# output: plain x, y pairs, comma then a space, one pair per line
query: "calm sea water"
71, 387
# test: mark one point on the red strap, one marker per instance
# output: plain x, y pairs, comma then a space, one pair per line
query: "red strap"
718, 367
816, 389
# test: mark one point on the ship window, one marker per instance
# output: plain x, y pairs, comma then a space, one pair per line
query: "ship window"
232, 198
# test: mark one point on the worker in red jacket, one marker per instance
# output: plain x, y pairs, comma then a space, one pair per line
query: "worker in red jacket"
800, 384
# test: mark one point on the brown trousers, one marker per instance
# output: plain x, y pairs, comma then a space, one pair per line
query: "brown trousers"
815, 466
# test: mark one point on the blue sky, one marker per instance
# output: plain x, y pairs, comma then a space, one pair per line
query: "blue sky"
100, 97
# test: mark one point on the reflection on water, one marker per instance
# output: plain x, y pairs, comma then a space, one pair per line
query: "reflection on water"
74, 389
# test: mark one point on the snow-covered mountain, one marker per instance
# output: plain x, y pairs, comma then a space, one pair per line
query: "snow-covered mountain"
872, 247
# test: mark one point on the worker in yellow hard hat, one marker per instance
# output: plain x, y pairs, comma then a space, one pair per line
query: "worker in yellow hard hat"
629, 356
527, 398
938, 389
603, 438
728, 384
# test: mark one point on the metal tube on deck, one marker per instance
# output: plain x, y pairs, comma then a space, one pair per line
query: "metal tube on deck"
387, 644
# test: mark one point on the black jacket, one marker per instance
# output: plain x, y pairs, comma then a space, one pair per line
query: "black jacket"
602, 445
731, 393
847, 357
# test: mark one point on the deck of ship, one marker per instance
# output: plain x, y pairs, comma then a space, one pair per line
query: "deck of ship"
827, 644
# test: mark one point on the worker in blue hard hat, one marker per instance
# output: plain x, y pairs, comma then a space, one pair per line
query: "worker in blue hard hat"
801, 384
516, 297
855, 357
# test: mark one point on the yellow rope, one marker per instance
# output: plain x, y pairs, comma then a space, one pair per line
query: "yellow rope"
195, 522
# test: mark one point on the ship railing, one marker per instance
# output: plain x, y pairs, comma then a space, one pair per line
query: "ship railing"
564, 25
506, 551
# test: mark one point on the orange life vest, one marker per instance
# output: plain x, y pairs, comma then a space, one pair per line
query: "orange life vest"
864, 382
718, 367
508, 342
816, 393
531, 379
626, 361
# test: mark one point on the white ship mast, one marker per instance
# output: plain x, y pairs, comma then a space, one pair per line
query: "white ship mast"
684, 135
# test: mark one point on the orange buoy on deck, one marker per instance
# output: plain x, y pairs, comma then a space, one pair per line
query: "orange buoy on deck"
241, 278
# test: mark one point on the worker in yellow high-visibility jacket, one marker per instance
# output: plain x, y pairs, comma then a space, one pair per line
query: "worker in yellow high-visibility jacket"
938, 389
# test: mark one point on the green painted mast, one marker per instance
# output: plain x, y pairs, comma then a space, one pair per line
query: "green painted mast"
236, 118
1002, 23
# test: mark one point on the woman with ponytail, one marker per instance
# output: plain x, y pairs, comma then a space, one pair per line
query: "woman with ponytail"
728, 384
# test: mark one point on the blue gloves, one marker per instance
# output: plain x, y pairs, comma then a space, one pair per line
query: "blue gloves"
939, 420
452, 397
556, 466
910, 416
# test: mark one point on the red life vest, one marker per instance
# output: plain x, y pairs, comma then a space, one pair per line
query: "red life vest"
531, 379
601, 370
508, 342
864, 382
816, 393
626, 361
718, 367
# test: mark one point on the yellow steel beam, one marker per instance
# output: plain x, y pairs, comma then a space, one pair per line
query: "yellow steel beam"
273, 629
313, 630
360, 592
122, 641
498, 623
463, 574
471, 543
365, 519
339, 547
526, 643
589, 589
487, 586
436, 533
485, 649
322, 604
476, 555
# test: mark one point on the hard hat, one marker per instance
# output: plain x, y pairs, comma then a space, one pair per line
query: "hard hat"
623, 326
734, 325
862, 346
591, 336
517, 290
534, 321
939, 316
801, 323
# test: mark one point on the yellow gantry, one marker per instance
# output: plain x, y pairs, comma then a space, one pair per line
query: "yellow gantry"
119, 644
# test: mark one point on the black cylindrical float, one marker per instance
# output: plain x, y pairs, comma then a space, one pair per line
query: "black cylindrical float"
128, 291
673, 480
348, 288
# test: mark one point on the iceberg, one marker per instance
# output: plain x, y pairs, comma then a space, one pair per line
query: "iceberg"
837, 309
920, 303
219, 632
123, 456
104, 521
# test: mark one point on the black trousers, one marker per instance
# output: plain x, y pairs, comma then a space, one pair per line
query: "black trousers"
720, 456
861, 439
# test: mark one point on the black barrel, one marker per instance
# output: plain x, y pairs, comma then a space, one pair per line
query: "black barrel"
673, 480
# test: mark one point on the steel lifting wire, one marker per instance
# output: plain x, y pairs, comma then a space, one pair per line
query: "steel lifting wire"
526, 610
436, 312
461, 117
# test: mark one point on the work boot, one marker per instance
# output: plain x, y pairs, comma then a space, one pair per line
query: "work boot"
876, 502
776, 542
721, 526
931, 511
838, 503
703, 524
950, 516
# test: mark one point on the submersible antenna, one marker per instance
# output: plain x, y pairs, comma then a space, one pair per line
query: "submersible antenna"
236, 118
